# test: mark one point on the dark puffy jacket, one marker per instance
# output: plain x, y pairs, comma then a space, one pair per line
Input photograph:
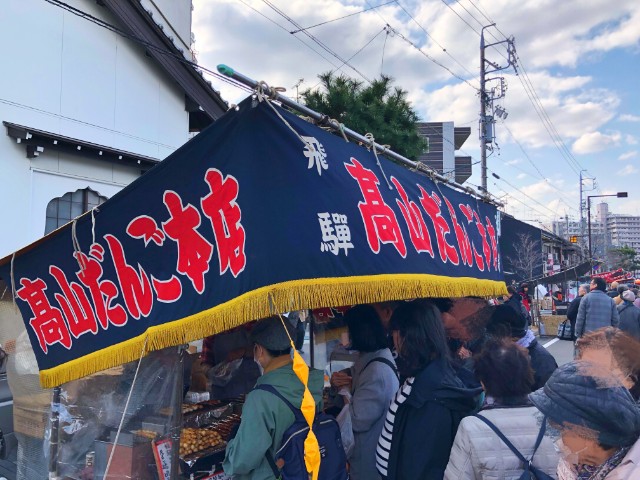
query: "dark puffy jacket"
629, 319
572, 311
542, 363
426, 423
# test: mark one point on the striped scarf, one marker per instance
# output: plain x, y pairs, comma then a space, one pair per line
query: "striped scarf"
386, 437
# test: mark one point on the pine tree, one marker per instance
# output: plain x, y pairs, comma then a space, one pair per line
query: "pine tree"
378, 108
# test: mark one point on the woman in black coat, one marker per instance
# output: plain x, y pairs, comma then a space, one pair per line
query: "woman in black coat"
424, 416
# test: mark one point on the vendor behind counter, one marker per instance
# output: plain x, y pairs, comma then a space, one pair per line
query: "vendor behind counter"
227, 363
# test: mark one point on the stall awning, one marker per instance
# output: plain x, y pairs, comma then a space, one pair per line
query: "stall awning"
572, 273
262, 212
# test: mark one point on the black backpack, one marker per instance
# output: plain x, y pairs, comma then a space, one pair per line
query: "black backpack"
333, 461
530, 472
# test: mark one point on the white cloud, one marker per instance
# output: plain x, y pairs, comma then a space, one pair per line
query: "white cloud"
521, 176
626, 117
628, 155
595, 142
228, 31
628, 170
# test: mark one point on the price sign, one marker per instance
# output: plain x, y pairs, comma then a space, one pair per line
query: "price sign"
162, 454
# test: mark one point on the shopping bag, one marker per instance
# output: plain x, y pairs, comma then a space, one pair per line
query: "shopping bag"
564, 330
346, 430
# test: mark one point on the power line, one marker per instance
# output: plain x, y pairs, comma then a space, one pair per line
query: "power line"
534, 99
553, 132
430, 58
315, 39
532, 163
384, 47
396, 32
470, 14
101, 23
512, 197
363, 47
434, 40
458, 15
352, 56
340, 18
481, 12
330, 62
489, 20
82, 122
495, 175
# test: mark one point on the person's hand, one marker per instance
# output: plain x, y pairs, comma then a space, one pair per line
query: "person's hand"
340, 379
464, 353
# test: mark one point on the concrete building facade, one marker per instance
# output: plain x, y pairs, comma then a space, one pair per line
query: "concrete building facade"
444, 140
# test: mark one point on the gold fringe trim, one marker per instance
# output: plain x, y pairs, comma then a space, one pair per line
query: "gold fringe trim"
259, 303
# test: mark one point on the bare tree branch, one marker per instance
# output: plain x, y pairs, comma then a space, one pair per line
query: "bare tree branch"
528, 257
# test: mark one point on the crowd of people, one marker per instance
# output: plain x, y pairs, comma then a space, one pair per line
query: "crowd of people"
462, 389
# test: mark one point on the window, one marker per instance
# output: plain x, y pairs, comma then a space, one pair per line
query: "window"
63, 209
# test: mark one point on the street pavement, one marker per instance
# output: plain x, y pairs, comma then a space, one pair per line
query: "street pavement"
562, 350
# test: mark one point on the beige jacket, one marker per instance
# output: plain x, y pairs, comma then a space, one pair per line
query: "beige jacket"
629, 468
478, 453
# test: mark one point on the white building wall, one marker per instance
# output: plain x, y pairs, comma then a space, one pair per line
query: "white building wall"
175, 18
68, 76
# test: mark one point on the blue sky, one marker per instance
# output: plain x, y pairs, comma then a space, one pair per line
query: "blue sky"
581, 57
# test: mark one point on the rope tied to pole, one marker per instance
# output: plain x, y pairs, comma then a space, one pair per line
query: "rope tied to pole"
76, 245
340, 129
372, 145
13, 283
263, 97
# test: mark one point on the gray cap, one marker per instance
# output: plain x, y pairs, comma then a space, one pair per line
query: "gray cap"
270, 333
577, 395
628, 295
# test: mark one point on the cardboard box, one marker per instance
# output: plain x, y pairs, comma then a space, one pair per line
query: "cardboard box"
551, 323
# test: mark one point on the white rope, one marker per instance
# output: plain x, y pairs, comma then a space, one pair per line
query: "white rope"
372, 144
93, 225
126, 407
344, 135
13, 283
262, 97
76, 245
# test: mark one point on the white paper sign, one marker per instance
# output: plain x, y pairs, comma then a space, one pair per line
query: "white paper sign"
162, 452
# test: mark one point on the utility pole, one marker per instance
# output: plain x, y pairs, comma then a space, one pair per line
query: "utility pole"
583, 207
581, 210
298, 83
487, 97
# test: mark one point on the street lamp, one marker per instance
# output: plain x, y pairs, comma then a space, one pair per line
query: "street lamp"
589, 197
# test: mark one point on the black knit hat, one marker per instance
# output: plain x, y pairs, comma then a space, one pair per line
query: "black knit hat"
505, 321
271, 334
579, 394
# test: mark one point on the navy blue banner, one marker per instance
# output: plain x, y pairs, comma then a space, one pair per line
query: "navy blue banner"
246, 204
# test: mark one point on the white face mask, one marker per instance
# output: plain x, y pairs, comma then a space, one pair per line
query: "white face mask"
260, 367
566, 454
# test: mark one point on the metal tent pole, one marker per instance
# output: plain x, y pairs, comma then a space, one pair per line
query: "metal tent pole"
231, 73
55, 433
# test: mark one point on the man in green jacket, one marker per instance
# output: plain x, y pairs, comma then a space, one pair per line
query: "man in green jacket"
264, 416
